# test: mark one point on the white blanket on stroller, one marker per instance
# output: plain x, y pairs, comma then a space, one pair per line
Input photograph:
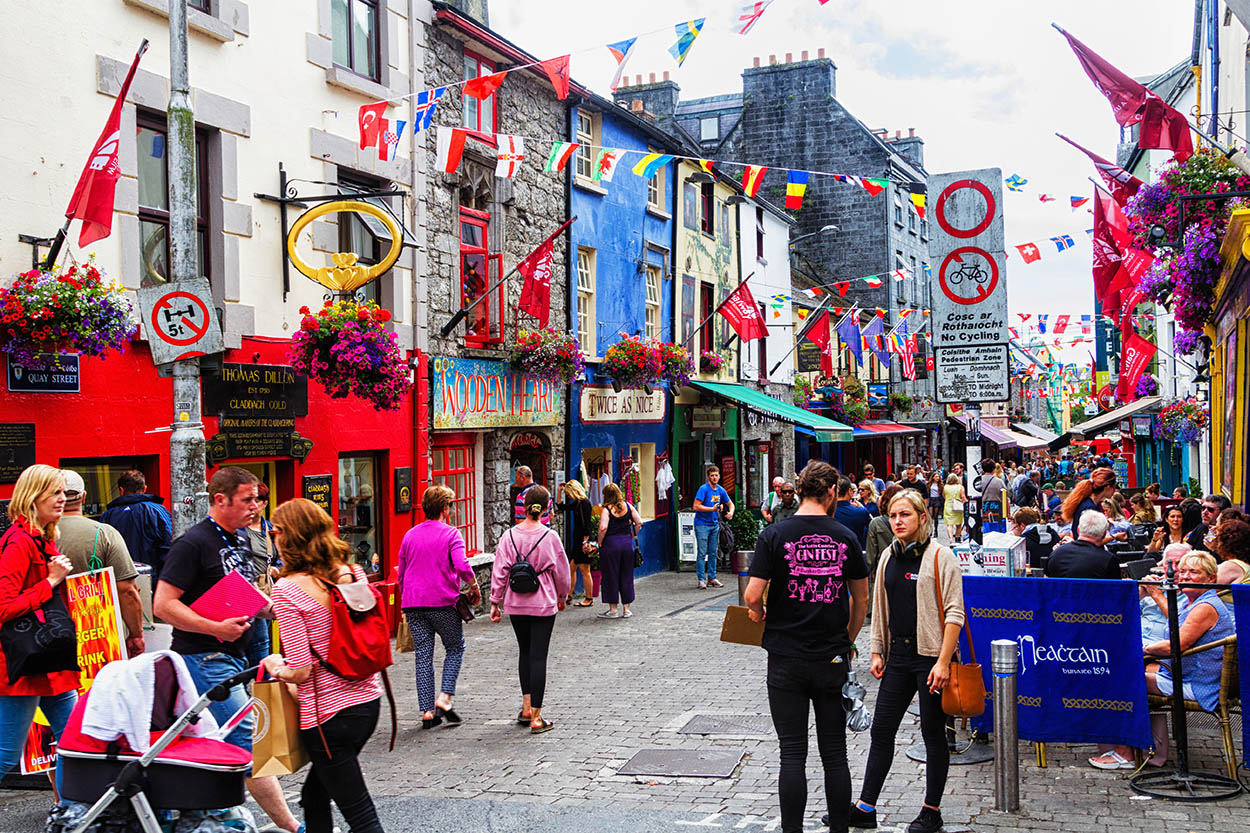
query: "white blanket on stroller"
121, 701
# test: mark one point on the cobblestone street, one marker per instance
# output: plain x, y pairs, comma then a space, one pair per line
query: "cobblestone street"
623, 686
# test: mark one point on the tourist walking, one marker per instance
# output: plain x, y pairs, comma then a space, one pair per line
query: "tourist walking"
816, 604
935, 497
432, 567
32, 570
618, 524
956, 500
531, 611
709, 503
577, 504
913, 642
337, 715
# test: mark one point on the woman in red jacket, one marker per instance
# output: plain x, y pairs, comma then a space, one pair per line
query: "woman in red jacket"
31, 570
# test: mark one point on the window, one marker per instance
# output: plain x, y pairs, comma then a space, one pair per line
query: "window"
653, 300
759, 472
153, 176
585, 144
453, 467
485, 321
200, 5
898, 211
479, 115
707, 302
361, 234
707, 203
924, 229
641, 491
354, 31
358, 508
709, 128
911, 221
763, 347
587, 331
759, 233
655, 190
100, 476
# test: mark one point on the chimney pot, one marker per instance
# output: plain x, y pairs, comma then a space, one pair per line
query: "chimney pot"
637, 80
755, 62
803, 55
911, 132
665, 75
898, 134
820, 53
789, 57
636, 105
652, 81
772, 60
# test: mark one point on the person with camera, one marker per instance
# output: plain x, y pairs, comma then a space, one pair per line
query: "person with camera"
529, 582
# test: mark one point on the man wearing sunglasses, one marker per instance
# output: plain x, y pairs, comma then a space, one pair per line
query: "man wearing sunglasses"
1212, 506
788, 504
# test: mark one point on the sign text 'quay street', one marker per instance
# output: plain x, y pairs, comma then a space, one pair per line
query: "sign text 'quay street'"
477, 393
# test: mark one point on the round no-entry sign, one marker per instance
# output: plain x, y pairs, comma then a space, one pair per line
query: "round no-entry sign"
180, 318
968, 275
975, 228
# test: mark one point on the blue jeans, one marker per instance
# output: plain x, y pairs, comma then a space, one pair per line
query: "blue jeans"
209, 669
707, 539
259, 647
17, 713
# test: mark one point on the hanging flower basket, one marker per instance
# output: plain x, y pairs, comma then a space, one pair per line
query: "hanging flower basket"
549, 354
676, 366
74, 311
710, 361
346, 347
1147, 385
849, 411
1183, 421
901, 402
632, 363
802, 391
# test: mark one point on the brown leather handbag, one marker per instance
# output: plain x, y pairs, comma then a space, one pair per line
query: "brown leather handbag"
964, 694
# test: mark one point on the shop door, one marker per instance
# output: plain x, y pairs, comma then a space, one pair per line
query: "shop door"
728, 462
530, 448
689, 473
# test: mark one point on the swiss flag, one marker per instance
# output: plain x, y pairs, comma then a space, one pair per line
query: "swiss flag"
743, 314
1029, 252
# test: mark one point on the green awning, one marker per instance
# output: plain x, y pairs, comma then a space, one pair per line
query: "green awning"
827, 430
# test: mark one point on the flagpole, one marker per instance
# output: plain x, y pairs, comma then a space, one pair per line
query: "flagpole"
724, 301
461, 314
55, 249
798, 338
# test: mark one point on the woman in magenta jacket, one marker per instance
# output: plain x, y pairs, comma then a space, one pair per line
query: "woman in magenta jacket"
31, 570
432, 565
533, 615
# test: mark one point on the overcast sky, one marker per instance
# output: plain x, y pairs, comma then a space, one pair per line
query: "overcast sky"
986, 83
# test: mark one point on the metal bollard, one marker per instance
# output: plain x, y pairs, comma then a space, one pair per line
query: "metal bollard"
741, 566
1004, 653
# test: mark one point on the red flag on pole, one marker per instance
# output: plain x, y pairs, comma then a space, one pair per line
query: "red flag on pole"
743, 314
1135, 357
818, 334
93, 195
1110, 236
1120, 182
536, 269
1165, 128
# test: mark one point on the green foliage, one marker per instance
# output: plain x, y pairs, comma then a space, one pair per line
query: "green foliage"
746, 528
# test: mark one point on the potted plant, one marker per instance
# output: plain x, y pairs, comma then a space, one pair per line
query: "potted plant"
901, 402
710, 361
75, 310
547, 354
632, 363
346, 347
676, 365
1147, 385
1183, 421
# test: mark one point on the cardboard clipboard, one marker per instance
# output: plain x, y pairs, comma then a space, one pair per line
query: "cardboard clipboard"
738, 627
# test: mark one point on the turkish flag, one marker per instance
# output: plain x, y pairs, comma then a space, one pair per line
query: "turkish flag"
369, 117
743, 314
1135, 357
1029, 252
92, 201
557, 70
536, 269
484, 86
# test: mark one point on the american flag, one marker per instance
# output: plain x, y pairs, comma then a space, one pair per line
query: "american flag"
909, 360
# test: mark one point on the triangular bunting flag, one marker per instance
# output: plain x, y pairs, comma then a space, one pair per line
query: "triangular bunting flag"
557, 70
484, 86
605, 164
561, 153
652, 162
752, 179
620, 51
687, 31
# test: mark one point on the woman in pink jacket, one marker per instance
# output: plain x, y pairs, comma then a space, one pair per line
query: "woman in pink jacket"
533, 614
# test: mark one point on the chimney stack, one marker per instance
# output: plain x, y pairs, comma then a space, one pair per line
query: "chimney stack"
898, 134
665, 75
803, 55
772, 60
820, 53
652, 79
789, 57
636, 105
911, 133
755, 62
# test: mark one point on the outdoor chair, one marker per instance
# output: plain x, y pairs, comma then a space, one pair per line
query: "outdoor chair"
1229, 699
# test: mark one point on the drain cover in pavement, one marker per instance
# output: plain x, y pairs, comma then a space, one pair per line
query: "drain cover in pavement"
697, 763
727, 724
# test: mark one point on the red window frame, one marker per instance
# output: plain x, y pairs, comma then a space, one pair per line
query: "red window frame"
707, 302
453, 466
707, 218
485, 66
485, 324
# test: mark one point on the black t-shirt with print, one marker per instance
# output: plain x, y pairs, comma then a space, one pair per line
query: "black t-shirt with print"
901, 574
810, 560
196, 561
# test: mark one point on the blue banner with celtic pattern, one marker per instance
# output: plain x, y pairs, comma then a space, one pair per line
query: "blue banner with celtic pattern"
1241, 611
1081, 678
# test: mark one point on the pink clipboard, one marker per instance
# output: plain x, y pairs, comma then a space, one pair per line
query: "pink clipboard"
232, 596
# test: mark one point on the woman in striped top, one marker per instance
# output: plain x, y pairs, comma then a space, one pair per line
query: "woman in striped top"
337, 716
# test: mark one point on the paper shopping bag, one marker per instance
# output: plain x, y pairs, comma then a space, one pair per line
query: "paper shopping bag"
277, 748
403, 637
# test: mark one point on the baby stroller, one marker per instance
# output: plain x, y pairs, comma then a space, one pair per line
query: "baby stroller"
185, 768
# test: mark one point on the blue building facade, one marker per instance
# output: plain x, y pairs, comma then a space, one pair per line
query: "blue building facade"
621, 248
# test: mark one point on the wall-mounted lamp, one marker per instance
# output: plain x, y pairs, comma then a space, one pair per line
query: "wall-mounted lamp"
701, 178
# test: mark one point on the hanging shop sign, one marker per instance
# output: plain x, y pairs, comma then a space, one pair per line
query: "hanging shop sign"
318, 488
476, 393
256, 390
707, 417
970, 299
972, 374
17, 449
346, 275
599, 403
56, 373
878, 394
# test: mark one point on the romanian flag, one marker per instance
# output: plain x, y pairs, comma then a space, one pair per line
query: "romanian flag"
796, 186
918, 201
752, 179
652, 162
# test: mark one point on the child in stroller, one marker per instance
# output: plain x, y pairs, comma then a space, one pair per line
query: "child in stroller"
141, 734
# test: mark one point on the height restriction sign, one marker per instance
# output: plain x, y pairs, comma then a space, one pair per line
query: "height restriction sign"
179, 321
970, 264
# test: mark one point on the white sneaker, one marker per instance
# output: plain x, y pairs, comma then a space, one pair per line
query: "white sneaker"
714, 583
703, 585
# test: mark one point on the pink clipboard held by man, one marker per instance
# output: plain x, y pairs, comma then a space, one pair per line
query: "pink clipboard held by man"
230, 597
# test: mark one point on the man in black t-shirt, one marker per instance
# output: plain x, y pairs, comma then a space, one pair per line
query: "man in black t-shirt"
1085, 557
817, 584
215, 651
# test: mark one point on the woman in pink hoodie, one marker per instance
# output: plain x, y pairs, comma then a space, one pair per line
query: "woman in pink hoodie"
533, 614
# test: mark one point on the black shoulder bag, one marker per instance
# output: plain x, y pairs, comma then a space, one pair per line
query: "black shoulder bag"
41, 642
464, 608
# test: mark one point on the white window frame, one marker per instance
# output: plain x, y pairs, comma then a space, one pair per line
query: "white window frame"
587, 141
653, 279
586, 322
655, 190
704, 134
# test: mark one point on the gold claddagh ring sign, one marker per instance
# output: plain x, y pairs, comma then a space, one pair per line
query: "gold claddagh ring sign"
346, 274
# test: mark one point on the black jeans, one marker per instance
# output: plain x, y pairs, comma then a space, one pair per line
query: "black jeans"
793, 684
533, 637
337, 776
907, 673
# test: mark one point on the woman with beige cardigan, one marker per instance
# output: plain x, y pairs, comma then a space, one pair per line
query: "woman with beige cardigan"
911, 653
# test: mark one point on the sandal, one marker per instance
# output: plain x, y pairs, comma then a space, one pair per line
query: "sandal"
524, 719
450, 715
584, 603
431, 722
545, 726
